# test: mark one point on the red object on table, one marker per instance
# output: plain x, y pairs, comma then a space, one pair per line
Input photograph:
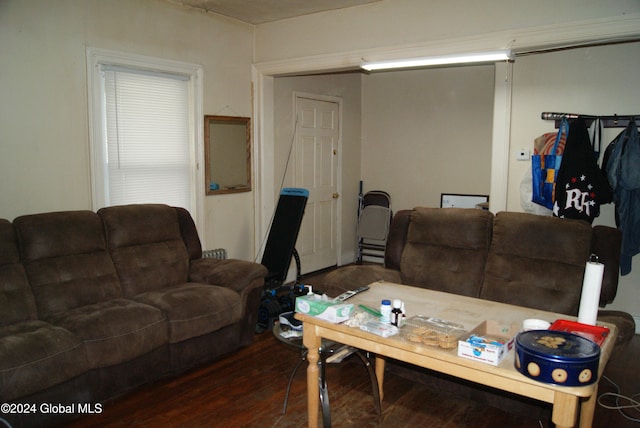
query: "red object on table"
594, 333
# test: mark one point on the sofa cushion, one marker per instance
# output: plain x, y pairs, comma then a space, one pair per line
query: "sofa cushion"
115, 331
446, 249
537, 262
146, 247
66, 260
194, 309
16, 299
35, 355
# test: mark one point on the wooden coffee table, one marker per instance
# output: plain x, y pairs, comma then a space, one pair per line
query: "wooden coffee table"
470, 312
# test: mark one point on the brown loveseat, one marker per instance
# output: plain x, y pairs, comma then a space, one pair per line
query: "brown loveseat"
510, 257
93, 304
515, 258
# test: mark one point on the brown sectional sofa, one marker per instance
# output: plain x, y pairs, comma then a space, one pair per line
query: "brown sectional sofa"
94, 304
514, 258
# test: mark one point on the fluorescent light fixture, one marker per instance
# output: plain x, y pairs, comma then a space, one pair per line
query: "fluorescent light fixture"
440, 60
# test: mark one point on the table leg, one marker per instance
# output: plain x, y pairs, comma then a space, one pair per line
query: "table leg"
565, 410
380, 375
312, 342
587, 410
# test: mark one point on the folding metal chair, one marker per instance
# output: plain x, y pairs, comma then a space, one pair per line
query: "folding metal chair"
374, 219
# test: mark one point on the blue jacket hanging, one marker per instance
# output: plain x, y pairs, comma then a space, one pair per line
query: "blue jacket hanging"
623, 172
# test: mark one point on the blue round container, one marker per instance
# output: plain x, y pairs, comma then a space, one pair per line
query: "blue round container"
557, 357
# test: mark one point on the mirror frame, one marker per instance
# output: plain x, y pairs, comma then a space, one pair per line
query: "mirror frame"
208, 120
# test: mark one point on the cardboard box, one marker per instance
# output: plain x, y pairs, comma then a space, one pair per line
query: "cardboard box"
328, 310
489, 342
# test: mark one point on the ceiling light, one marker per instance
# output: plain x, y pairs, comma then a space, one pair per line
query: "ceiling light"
440, 60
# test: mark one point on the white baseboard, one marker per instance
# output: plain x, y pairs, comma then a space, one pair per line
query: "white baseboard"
348, 257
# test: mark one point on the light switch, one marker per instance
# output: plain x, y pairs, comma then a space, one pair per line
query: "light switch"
523, 155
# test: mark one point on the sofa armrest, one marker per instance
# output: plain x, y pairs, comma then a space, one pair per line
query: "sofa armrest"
246, 278
231, 273
396, 239
353, 276
624, 321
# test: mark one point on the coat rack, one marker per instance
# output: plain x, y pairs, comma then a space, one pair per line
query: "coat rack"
614, 121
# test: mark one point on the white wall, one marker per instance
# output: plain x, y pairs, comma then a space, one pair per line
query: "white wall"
427, 132
597, 80
397, 27
44, 147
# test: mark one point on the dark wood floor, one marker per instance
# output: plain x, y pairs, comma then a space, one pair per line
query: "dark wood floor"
246, 389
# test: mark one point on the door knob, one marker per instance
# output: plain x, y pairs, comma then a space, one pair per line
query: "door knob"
335, 196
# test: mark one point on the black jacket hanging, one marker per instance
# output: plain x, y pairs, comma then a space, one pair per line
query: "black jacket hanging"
580, 187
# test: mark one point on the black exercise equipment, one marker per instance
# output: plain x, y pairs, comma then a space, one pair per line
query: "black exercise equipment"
279, 249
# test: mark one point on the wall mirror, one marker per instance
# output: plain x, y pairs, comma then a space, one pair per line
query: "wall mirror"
227, 153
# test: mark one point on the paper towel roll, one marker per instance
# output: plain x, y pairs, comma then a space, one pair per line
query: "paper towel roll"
590, 297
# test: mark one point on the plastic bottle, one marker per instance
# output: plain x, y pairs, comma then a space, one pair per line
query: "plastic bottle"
396, 313
385, 310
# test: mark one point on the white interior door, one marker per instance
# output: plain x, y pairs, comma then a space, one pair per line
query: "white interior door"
316, 167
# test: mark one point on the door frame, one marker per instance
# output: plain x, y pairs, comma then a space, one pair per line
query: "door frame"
338, 101
265, 193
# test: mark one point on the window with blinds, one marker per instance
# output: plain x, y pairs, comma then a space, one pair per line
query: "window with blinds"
147, 153
146, 131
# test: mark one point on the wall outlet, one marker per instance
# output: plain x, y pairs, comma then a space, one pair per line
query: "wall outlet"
636, 318
523, 155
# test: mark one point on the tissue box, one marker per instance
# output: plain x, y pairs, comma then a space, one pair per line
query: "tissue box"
320, 307
489, 342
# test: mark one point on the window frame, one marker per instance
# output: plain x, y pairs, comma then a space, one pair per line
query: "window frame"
95, 59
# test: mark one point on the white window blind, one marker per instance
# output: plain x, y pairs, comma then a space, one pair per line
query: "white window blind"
147, 150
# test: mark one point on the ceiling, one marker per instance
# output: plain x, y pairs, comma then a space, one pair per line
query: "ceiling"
261, 11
